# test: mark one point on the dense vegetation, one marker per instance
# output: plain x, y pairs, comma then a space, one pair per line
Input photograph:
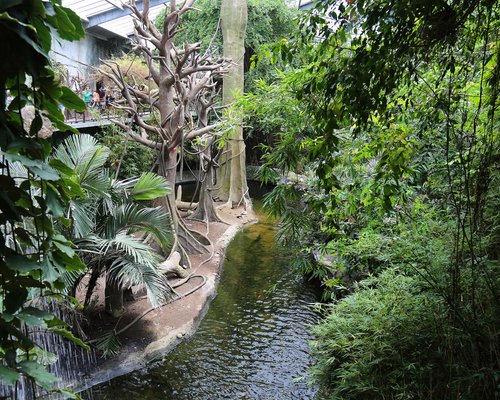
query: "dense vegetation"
58, 205
383, 145
34, 253
388, 144
268, 21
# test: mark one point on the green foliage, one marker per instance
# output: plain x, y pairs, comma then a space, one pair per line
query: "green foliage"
34, 255
126, 156
268, 21
396, 178
392, 338
384, 342
149, 187
109, 344
109, 214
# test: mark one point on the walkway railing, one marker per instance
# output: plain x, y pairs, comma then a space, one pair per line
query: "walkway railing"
104, 111
95, 116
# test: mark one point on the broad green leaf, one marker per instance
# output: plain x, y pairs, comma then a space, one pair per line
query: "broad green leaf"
8, 208
38, 372
54, 205
14, 299
32, 321
68, 335
43, 33
149, 187
50, 272
19, 29
38, 167
61, 167
8, 375
73, 188
35, 317
21, 263
71, 100
65, 249
71, 23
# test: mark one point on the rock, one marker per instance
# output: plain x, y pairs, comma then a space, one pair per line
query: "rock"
28, 114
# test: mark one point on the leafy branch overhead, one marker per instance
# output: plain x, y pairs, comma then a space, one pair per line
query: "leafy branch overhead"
34, 253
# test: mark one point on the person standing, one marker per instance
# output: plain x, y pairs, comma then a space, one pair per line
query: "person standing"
87, 94
96, 99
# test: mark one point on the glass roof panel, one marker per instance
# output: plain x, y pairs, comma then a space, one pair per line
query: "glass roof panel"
121, 22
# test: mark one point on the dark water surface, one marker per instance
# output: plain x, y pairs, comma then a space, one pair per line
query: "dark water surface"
253, 342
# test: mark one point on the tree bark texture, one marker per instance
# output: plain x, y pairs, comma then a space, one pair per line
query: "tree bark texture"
181, 82
234, 22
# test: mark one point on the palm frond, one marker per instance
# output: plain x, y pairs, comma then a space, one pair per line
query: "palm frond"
108, 344
124, 185
70, 278
132, 218
149, 186
17, 170
132, 247
83, 214
84, 154
98, 184
129, 273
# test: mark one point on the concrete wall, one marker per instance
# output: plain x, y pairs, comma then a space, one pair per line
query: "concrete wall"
77, 57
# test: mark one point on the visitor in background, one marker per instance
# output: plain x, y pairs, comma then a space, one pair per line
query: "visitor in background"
87, 94
102, 92
87, 98
96, 99
109, 98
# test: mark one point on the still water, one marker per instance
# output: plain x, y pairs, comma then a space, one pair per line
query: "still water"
253, 342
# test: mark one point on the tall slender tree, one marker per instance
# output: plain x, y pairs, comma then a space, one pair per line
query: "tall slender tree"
234, 18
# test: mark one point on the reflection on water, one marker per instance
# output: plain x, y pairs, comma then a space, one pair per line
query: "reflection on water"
253, 342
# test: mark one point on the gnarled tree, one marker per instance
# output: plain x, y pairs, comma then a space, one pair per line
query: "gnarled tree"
179, 88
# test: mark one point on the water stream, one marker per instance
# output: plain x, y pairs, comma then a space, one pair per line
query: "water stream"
253, 342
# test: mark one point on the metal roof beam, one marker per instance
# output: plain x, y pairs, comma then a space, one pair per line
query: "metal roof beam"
111, 15
115, 3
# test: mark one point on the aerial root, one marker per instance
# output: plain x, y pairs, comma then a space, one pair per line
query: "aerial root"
139, 317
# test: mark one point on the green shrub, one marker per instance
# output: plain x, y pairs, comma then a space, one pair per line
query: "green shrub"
132, 158
394, 338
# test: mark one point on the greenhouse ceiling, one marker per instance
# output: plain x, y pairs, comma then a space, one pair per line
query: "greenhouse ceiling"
106, 18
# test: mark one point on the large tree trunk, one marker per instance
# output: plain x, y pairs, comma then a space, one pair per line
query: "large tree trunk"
182, 79
206, 210
187, 242
234, 22
224, 174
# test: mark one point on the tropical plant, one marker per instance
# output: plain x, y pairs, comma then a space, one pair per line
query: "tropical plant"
181, 88
34, 254
268, 21
127, 157
403, 150
110, 222
370, 347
